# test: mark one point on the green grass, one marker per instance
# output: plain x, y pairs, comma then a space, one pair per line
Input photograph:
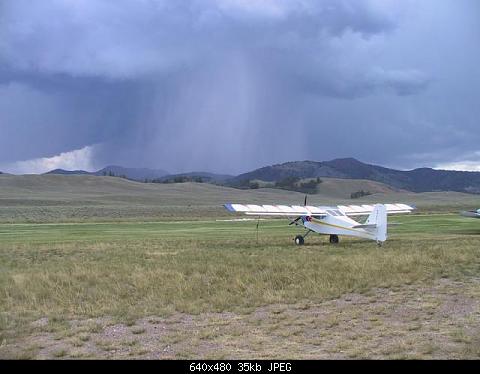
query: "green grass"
128, 269
434, 224
431, 224
121, 231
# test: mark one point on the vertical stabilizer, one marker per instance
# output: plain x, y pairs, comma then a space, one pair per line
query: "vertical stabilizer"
378, 217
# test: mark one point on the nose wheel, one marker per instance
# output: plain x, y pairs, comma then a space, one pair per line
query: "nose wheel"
300, 240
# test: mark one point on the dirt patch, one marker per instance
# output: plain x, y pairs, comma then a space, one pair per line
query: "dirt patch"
438, 321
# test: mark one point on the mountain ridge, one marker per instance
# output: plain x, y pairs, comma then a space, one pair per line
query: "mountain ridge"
415, 180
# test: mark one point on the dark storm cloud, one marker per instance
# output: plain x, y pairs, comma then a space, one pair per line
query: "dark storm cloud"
351, 83
124, 38
47, 115
233, 84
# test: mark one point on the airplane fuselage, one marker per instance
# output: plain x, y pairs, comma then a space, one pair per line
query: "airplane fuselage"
471, 213
336, 225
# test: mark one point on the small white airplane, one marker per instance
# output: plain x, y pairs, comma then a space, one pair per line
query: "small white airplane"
471, 213
331, 220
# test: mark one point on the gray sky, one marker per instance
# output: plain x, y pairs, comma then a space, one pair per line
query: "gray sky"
231, 85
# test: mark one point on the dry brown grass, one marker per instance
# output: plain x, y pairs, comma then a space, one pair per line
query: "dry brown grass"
351, 327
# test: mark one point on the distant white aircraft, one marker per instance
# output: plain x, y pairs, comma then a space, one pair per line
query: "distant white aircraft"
471, 213
331, 220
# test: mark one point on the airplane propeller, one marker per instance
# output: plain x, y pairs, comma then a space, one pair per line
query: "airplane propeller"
294, 221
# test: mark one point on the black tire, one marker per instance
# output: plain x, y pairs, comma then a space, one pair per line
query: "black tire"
334, 239
299, 240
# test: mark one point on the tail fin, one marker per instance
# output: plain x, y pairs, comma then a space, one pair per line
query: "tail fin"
378, 217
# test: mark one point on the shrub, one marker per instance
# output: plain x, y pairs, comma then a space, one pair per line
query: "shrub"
358, 194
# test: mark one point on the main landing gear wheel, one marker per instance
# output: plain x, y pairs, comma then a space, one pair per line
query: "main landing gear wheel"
299, 240
333, 239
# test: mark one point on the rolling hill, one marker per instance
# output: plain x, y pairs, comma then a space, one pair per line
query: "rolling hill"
146, 175
68, 172
343, 188
80, 198
137, 174
196, 176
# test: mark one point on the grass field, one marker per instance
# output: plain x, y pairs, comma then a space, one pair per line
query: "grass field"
59, 198
207, 288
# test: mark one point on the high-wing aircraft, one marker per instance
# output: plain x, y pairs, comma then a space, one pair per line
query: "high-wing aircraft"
331, 220
471, 213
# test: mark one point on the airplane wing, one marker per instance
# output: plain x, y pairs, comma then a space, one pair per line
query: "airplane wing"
276, 210
361, 210
322, 211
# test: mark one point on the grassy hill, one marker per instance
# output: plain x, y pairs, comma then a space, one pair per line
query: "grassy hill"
331, 187
343, 188
77, 198
194, 176
53, 198
138, 174
68, 172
